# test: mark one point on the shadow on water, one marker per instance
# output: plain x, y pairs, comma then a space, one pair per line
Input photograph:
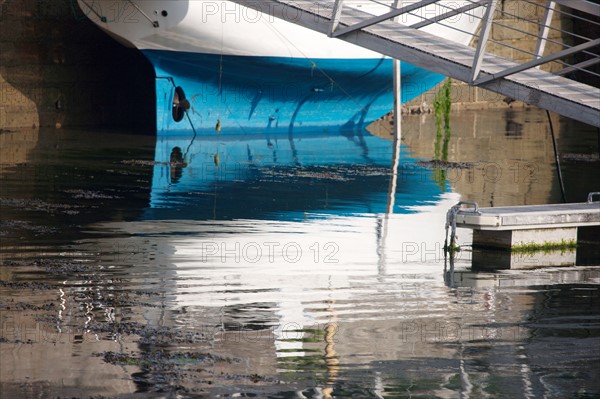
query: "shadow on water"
272, 267
58, 181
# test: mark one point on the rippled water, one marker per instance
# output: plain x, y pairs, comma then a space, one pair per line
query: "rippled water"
288, 267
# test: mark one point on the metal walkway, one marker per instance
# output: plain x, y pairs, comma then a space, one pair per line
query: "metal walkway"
525, 82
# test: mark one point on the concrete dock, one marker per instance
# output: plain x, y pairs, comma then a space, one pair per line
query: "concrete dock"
546, 233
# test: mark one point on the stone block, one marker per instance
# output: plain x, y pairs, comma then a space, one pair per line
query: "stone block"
553, 67
513, 30
522, 56
462, 93
56, 10
522, 9
500, 50
12, 117
488, 96
10, 31
553, 48
23, 76
508, 240
18, 9
554, 33
504, 260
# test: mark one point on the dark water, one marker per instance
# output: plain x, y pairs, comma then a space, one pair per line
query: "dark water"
289, 267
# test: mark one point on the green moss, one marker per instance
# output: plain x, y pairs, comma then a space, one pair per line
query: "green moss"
452, 249
307, 350
548, 246
441, 106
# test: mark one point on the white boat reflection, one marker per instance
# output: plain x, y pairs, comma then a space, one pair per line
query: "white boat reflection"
311, 244
303, 271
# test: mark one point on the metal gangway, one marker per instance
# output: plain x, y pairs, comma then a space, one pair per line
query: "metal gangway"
528, 81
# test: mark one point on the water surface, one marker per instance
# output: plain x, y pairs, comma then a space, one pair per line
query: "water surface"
288, 266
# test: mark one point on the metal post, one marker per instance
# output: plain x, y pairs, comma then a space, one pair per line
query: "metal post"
544, 29
483, 38
397, 99
397, 136
335, 16
397, 129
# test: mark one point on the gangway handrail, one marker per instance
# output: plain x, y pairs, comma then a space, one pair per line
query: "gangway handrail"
449, 14
544, 28
519, 80
380, 18
581, 5
539, 61
568, 68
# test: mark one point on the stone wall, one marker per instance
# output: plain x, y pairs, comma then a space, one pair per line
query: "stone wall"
58, 69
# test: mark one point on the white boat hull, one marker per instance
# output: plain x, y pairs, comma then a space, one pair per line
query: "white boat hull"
248, 72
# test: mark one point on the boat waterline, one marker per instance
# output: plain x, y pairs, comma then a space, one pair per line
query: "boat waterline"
249, 95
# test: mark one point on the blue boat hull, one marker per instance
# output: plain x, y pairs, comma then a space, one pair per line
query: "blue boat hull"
250, 95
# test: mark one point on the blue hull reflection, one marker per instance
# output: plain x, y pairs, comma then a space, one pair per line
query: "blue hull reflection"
281, 177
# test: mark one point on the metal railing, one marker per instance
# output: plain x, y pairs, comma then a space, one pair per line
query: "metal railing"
573, 51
